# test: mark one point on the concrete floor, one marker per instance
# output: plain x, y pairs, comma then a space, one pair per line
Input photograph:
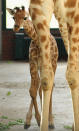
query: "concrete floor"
15, 99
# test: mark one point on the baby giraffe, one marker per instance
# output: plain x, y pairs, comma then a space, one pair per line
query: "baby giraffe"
21, 18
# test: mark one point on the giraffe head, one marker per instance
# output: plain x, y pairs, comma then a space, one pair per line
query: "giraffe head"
19, 16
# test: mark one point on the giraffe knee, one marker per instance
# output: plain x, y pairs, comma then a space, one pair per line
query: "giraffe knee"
46, 84
72, 78
33, 92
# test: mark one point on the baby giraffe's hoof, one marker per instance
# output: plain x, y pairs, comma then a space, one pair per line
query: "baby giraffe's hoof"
38, 119
38, 123
51, 126
73, 127
26, 126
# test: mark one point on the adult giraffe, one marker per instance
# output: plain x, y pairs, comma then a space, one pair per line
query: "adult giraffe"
66, 11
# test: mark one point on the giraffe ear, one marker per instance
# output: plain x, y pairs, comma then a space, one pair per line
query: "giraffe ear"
11, 11
23, 8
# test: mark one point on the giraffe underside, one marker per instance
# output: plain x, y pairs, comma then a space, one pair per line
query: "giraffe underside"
34, 53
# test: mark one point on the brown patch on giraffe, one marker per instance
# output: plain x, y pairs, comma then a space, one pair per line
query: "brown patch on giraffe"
74, 40
38, 2
61, 25
37, 11
70, 3
33, 16
46, 46
46, 55
56, 55
29, 32
40, 26
50, 68
74, 49
78, 48
70, 28
56, 49
45, 22
72, 65
77, 31
78, 4
71, 57
70, 14
34, 35
32, 67
76, 19
43, 38
59, 18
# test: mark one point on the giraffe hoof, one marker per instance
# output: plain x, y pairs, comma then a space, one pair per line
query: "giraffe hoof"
51, 126
26, 126
38, 123
73, 127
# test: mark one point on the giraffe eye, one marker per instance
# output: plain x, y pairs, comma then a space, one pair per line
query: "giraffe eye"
25, 18
14, 18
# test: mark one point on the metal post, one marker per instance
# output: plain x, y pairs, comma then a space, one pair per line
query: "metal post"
0, 29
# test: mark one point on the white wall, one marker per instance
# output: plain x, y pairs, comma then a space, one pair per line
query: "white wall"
19, 3
0, 30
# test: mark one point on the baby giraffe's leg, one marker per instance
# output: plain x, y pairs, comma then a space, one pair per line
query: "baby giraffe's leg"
34, 78
28, 116
34, 84
39, 10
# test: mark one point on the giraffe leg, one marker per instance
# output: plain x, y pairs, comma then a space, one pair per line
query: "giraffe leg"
64, 34
37, 115
33, 94
54, 58
34, 78
28, 116
40, 94
72, 74
51, 121
41, 17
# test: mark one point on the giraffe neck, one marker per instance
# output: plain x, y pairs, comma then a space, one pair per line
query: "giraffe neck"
30, 30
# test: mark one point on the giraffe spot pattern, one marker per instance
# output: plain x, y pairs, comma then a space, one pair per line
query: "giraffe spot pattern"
60, 25
46, 46
77, 30
38, 2
70, 14
70, 28
76, 19
74, 40
33, 16
37, 11
45, 22
46, 55
43, 38
74, 49
40, 26
70, 3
